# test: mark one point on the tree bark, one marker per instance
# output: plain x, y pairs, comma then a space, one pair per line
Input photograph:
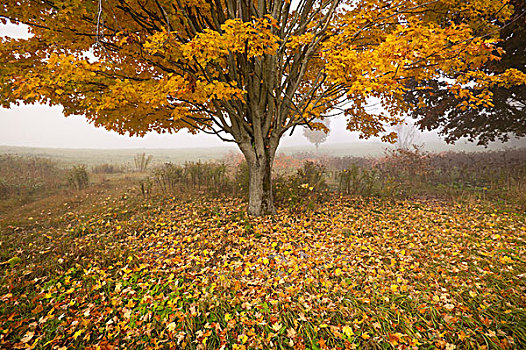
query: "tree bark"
260, 198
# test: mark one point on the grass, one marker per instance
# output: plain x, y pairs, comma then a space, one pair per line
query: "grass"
110, 269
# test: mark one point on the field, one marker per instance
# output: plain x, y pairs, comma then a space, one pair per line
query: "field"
347, 263
363, 148
90, 157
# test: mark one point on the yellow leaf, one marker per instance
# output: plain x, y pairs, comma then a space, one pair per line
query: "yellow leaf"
171, 326
449, 306
348, 331
77, 333
276, 327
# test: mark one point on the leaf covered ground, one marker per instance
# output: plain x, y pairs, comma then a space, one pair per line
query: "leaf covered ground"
199, 274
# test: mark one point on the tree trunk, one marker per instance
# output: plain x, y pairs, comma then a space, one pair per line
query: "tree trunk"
260, 199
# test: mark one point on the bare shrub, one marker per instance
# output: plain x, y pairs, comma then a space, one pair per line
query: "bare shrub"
107, 168
78, 177
142, 161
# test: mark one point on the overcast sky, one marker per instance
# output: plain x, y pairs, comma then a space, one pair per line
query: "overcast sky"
42, 126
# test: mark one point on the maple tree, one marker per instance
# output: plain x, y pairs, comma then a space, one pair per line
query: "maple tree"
247, 71
507, 115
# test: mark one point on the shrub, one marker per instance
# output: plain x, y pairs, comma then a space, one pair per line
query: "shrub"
312, 174
210, 176
78, 177
241, 177
145, 187
359, 181
406, 173
167, 176
142, 161
303, 190
108, 169
4, 188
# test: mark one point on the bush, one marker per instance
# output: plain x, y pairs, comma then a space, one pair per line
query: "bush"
78, 177
142, 161
210, 176
402, 173
303, 190
168, 176
312, 174
145, 187
241, 178
108, 169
